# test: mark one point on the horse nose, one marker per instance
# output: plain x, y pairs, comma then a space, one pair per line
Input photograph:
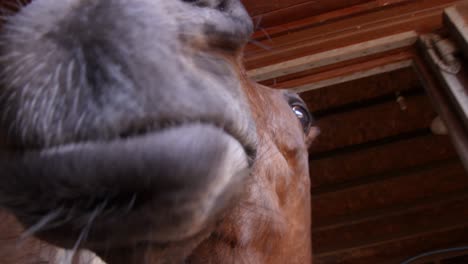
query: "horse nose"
226, 25
172, 182
86, 75
124, 128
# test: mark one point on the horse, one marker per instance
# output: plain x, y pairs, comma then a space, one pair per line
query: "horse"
130, 129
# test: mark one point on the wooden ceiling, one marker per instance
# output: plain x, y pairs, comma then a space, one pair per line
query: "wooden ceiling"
270, 13
384, 187
342, 27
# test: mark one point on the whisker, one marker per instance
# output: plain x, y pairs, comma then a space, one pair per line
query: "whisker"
131, 204
258, 22
259, 44
85, 232
41, 224
266, 34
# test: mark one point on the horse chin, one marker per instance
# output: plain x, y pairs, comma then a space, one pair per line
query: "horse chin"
161, 187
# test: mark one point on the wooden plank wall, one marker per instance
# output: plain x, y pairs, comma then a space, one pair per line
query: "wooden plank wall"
316, 34
384, 187
267, 13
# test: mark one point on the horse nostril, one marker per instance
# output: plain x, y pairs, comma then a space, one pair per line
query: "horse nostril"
216, 4
222, 5
199, 3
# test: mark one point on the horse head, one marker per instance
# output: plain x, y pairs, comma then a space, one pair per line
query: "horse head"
132, 130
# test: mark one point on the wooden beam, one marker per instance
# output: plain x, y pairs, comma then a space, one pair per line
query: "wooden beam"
400, 188
438, 216
355, 71
335, 56
287, 28
442, 102
419, 16
381, 121
391, 211
387, 84
259, 7
452, 75
354, 76
456, 19
275, 14
373, 161
399, 249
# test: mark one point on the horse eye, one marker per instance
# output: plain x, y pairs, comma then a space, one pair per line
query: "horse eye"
304, 117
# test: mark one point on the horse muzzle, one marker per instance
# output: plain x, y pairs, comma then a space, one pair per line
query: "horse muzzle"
159, 187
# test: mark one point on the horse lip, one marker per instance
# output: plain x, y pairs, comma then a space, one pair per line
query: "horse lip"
83, 154
249, 144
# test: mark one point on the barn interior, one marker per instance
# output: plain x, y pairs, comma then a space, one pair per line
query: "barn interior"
389, 175
389, 170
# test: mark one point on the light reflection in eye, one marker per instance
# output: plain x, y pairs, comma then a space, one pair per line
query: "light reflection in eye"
299, 112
